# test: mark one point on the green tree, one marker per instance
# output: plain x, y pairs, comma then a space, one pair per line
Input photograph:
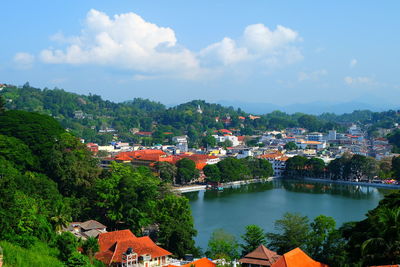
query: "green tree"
222, 245
295, 166
166, 171
293, 231
315, 167
233, 169
176, 233
186, 171
76, 259
321, 229
396, 167
212, 172
125, 198
90, 247
61, 217
290, 146
67, 244
72, 165
18, 152
253, 237
258, 168
384, 245
2, 105
209, 141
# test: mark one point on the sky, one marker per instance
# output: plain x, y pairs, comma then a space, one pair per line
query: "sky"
254, 51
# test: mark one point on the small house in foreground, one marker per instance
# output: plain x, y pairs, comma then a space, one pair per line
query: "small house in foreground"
261, 256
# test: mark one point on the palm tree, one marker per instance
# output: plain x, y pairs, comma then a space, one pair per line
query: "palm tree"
61, 217
384, 247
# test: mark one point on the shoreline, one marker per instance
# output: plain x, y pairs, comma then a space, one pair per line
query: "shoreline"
194, 188
321, 180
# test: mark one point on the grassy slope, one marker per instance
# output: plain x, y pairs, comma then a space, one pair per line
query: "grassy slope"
39, 255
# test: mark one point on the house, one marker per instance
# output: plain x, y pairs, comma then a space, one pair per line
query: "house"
124, 248
94, 148
181, 142
317, 145
261, 256
86, 229
278, 162
297, 258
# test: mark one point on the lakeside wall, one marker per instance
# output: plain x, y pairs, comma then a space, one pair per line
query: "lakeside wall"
309, 179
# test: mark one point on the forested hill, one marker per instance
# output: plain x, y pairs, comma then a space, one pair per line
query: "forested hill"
86, 115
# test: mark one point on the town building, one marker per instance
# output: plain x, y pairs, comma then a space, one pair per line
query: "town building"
181, 143
297, 258
123, 248
261, 256
315, 137
84, 230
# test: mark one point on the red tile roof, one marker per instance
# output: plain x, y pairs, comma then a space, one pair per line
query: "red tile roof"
261, 256
297, 258
113, 244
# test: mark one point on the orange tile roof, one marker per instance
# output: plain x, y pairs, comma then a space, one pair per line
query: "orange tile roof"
203, 262
297, 258
271, 155
312, 142
241, 138
113, 244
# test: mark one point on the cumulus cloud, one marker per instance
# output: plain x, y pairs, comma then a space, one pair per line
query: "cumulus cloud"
128, 42
359, 80
125, 41
353, 63
24, 60
315, 75
258, 43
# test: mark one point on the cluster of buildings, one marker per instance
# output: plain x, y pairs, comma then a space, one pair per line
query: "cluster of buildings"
275, 146
123, 248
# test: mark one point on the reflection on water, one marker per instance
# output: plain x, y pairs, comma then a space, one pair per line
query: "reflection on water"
264, 203
345, 190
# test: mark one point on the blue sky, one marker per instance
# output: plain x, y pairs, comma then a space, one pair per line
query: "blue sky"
280, 52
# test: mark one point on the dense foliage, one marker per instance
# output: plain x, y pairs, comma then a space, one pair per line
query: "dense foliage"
48, 179
348, 167
86, 115
233, 169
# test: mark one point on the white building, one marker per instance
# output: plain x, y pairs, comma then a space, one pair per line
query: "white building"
355, 130
232, 138
315, 137
332, 135
181, 142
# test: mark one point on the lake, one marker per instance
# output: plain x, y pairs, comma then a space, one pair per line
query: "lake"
263, 203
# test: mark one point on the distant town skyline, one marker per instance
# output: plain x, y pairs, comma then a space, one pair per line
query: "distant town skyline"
282, 53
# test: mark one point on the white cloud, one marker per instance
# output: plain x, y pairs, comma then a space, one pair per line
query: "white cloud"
257, 44
24, 60
359, 80
126, 41
315, 75
353, 63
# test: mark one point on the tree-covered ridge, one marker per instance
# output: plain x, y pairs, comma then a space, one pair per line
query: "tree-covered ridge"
48, 179
87, 115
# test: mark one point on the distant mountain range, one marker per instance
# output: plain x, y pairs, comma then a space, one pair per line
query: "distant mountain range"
315, 108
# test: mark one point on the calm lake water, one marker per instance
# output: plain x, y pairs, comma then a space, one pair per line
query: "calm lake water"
263, 203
